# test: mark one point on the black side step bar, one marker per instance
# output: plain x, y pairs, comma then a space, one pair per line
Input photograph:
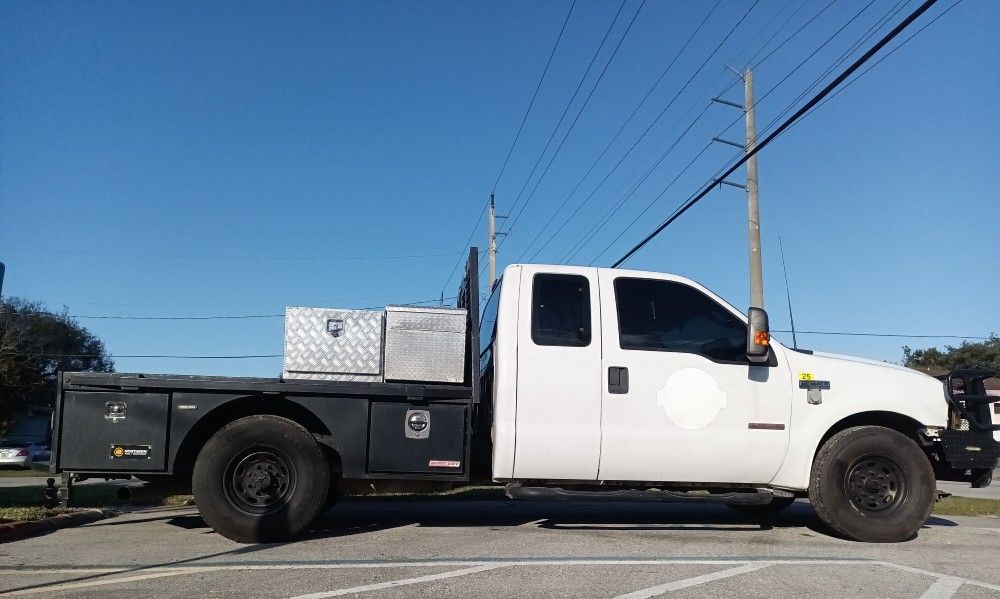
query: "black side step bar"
516, 491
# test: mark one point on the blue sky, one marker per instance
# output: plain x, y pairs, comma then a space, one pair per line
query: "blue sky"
192, 159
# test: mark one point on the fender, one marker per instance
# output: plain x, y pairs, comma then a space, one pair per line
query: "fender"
864, 391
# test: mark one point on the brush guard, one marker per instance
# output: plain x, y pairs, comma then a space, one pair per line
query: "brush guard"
968, 443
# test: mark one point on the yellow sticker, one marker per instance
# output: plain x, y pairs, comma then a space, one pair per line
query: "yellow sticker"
805, 376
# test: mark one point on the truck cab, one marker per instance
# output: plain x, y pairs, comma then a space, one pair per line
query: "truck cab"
622, 378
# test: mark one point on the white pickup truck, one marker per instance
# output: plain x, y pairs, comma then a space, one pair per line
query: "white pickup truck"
590, 382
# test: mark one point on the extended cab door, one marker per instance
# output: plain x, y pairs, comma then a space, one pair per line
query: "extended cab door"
558, 419
681, 401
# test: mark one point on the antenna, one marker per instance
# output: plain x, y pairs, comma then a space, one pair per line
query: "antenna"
788, 297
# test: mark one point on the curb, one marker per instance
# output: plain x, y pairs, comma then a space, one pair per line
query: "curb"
14, 531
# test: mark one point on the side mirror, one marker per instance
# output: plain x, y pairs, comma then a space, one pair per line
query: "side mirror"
758, 336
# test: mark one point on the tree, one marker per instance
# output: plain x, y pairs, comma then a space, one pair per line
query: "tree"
982, 354
35, 345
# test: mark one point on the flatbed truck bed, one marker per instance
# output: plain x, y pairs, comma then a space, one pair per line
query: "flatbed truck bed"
156, 424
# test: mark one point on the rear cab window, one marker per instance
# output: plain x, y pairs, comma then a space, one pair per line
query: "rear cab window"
560, 310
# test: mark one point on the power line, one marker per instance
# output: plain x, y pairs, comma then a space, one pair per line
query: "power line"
653, 201
801, 111
792, 35
809, 57
714, 179
212, 317
569, 104
468, 244
576, 118
711, 181
877, 62
341, 301
778, 30
163, 356
899, 335
225, 257
642, 136
758, 101
533, 96
617, 134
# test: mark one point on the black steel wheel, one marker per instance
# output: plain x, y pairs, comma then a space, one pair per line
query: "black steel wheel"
874, 484
261, 479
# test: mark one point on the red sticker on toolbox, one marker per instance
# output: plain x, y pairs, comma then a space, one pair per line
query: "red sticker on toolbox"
444, 464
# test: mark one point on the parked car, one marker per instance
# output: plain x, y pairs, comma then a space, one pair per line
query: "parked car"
20, 454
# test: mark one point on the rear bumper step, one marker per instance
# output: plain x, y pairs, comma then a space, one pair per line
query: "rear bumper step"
516, 491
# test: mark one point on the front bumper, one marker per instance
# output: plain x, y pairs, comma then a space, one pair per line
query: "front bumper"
968, 446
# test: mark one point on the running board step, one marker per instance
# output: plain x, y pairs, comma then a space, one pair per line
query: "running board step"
516, 491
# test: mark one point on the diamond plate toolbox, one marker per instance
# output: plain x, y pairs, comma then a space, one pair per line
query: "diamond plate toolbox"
333, 345
424, 344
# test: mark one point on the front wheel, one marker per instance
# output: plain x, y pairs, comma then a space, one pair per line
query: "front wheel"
872, 484
261, 479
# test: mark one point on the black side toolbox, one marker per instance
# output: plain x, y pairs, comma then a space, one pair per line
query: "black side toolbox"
413, 438
110, 431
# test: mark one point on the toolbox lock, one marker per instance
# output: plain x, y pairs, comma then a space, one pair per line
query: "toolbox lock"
418, 424
115, 411
335, 326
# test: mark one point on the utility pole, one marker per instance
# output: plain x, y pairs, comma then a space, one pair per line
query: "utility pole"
493, 241
753, 198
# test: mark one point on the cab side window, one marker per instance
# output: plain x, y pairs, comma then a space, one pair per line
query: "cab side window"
560, 310
657, 315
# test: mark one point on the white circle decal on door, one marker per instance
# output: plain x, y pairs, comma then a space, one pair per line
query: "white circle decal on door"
691, 398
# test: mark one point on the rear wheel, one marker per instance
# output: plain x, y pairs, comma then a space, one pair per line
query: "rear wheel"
261, 479
872, 484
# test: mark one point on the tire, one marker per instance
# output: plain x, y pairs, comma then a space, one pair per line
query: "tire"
872, 484
261, 479
778, 504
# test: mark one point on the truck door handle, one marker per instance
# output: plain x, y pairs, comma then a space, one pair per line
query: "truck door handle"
617, 379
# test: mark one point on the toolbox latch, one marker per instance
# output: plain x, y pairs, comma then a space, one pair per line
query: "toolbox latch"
335, 326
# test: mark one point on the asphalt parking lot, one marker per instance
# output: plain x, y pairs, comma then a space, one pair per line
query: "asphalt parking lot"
442, 548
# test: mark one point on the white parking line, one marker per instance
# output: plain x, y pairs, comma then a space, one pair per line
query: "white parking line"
466, 566
943, 588
693, 581
396, 583
338, 565
912, 570
66, 586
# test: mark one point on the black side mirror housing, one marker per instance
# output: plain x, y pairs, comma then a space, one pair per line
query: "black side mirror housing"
758, 336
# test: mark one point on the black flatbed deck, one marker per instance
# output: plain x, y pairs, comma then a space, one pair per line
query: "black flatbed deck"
91, 381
